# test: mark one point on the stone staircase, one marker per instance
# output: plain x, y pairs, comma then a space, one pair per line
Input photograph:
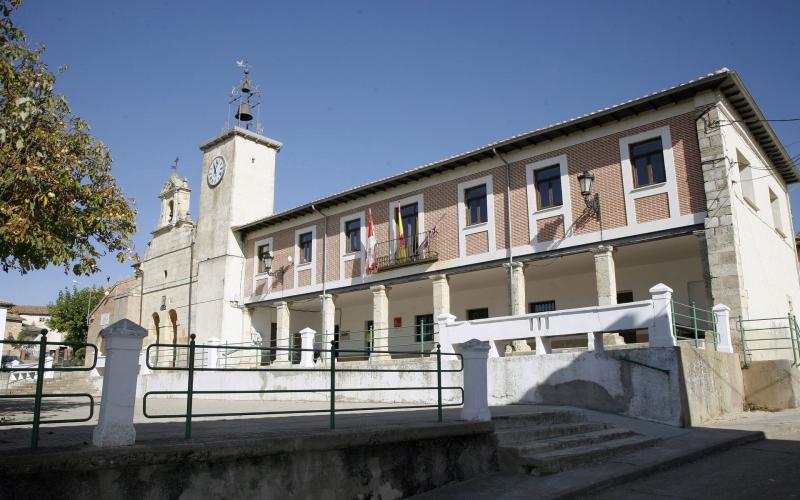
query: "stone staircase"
61, 383
555, 441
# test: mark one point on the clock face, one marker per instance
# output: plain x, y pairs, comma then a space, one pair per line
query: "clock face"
215, 171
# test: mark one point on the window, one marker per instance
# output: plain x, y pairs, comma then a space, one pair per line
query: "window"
261, 251
548, 187
746, 179
171, 211
304, 242
352, 233
480, 313
423, 326
409, 215
776, 213
647, 159
540, 307
369, 333
625, 297
475, 201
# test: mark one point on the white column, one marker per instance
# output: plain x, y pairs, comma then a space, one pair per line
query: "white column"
516, 286
543, 346
605, 275
441, 299
307, 344
282, 318
661, 331
444, 339
48, 365
476, 393
123, 342
722, 316
380, 320
328, 311
212, 354
594, 341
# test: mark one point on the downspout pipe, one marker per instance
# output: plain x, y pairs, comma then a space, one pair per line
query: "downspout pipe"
324, 248
508, 222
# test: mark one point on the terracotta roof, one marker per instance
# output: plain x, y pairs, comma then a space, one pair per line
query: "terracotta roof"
724, 80
31, 310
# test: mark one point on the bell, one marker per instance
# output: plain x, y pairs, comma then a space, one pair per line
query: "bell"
245, 85
244, 114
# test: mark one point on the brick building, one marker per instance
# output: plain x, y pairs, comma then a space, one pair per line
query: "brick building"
689, 188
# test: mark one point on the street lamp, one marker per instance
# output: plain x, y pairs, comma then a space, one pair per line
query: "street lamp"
585, 181
267, 259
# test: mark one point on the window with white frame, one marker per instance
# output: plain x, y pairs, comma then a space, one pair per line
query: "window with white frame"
305, 244
548, 187
352, 236
746, 179
261, 252
647, 160
475, 204
548, 195
777, 216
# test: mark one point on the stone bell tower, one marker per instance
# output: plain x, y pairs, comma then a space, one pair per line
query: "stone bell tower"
238, 186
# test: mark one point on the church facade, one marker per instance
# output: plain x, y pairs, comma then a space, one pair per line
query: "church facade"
686, 186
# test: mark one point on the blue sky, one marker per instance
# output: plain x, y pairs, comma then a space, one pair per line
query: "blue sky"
361, 90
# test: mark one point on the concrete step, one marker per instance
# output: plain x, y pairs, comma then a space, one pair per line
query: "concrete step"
559, 460
573, 440
546, 417
516, 436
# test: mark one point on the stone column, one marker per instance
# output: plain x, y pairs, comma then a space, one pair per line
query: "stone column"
476, 393
328, 310
123, 342
721, 234
516, 297
380, 320
441, 300
282, 318
605, 275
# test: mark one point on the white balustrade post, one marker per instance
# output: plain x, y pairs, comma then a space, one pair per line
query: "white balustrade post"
48, 366
595, 341
212, 352
476, 394
307, 344
661, 330
445, 320
543, 346
722, 316
123, 342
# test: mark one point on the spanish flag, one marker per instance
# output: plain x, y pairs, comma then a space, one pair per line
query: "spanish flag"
401, 240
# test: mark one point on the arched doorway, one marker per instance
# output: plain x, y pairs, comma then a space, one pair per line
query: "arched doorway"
173, 321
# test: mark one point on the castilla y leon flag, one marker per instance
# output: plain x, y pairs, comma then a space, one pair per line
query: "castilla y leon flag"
372, 261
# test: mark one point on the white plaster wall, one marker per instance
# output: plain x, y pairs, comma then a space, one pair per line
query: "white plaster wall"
676, 274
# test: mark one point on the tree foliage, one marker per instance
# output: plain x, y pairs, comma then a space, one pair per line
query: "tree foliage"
70, 312
59, 202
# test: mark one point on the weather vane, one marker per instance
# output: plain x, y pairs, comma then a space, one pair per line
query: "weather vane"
174, 165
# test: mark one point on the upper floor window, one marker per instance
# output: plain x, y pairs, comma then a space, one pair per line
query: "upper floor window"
409, 215
261, 251
746, 179
777, 217
475, 201
548, 187
352, 235
304, 242
647, 159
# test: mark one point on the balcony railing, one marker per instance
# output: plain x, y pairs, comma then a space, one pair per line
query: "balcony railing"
411, 250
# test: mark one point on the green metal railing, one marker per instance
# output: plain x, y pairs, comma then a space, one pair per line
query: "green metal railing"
783, 332
332, 390
414, 341
38, 394
692, 323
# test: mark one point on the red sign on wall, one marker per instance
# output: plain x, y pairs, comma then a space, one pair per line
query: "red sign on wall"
398, 322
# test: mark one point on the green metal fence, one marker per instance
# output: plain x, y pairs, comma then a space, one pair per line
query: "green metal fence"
38, 394
332, 390
692, 323
769, 334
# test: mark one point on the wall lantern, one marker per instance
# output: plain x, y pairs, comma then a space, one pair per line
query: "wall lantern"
585, 181
267, 258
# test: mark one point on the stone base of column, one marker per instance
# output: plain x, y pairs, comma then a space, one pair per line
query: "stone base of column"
613, 339
520, 346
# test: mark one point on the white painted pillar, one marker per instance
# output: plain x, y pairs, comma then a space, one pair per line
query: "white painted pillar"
212, 353
444, 339
543, 346
722, 315
441, 300
594, 341
605, 275
476, 393
516, 285
328, 311
380, 320
48, 365
282, 318
661, 331
307, 344
123, 342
